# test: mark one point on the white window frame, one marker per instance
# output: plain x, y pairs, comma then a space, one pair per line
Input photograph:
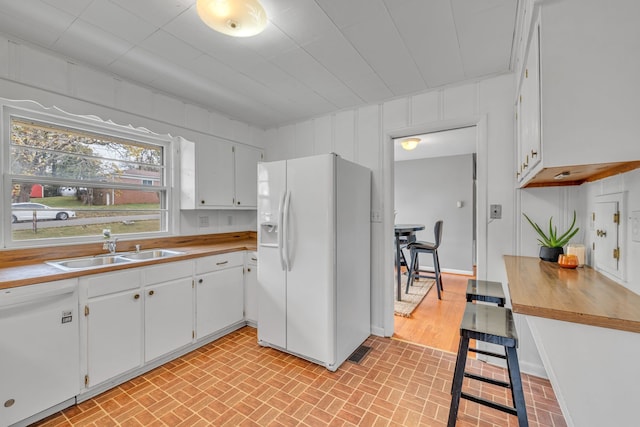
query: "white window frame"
91, 124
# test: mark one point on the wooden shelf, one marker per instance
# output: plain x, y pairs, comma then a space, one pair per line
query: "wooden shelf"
582, 295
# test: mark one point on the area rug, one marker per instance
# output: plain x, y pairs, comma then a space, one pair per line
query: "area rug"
411, 299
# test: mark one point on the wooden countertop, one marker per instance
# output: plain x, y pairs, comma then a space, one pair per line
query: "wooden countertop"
582, 295
26, 266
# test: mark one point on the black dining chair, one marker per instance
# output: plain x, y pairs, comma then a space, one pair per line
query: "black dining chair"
418, 247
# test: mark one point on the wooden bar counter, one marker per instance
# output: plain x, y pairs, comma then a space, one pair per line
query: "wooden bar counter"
582, 295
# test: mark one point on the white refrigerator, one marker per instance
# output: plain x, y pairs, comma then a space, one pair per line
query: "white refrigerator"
314, 257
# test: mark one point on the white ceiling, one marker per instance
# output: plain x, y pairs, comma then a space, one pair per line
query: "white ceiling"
453, 142
315, 56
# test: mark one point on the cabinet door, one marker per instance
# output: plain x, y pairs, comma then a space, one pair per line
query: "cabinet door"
114, 335
214, 173
532, 145
219, 300
251, 289
168, 314
246, 175
606, 249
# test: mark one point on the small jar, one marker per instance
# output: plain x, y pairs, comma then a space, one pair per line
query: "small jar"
578, 250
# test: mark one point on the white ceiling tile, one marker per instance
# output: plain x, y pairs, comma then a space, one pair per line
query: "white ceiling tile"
90, 44
370, 88
306, 68
70, 6
338, 56
134, 61
271, 43
347, 13
116, 20
484, 31
155, 12
33, 21
381, 46
303, 22
170, 47
429, 32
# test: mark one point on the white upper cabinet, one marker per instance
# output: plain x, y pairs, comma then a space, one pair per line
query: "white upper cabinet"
246, 175
577, 118
217, 174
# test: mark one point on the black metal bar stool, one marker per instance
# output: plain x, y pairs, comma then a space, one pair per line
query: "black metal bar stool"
494, 325
426, 247
486, 291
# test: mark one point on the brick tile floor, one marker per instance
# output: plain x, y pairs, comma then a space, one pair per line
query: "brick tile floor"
235, 382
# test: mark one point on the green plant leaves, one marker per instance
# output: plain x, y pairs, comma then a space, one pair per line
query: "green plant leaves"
552, 239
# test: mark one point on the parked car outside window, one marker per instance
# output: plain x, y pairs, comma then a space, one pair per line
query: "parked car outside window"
24, 212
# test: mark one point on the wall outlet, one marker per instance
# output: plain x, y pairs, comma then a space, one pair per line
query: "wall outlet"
495, 211
376, 216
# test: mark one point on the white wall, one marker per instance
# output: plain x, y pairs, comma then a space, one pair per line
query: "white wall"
31, 73
427, 190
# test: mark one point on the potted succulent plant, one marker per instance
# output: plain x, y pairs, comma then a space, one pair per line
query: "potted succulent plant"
552, 244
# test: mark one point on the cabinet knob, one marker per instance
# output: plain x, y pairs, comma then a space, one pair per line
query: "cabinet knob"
248, 269
151, 292
200, 280
534, 153
202, 202
601, 233
238, 202
136, 296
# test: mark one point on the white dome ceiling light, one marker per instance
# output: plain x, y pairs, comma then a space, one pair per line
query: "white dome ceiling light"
238, 18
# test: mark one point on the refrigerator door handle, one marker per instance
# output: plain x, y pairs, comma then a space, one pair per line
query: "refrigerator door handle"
285, 227
281, 231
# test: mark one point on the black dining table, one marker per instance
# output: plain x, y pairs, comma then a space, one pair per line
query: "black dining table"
408, 231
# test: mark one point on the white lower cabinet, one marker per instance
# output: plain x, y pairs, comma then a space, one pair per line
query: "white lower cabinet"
168, 309
219, 292
251, 288
112, 305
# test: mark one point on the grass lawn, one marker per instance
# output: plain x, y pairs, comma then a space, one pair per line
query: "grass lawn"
87, 230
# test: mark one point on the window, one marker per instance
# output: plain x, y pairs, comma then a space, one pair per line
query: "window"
70, 182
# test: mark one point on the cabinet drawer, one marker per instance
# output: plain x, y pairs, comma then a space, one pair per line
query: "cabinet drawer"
166, 272
110, 283
219, 262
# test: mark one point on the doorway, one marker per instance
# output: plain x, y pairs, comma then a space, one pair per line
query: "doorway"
435, 178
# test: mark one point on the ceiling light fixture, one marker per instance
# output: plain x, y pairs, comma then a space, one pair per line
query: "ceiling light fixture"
238, 18
409, 143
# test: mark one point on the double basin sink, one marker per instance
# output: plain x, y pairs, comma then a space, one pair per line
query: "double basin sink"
98, 261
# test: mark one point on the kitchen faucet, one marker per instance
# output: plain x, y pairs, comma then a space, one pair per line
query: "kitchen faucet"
110, 244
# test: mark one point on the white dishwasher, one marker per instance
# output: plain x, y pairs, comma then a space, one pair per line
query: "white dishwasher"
39, 348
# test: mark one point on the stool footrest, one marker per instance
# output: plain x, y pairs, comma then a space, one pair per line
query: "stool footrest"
487, 380
487, 353
489, 403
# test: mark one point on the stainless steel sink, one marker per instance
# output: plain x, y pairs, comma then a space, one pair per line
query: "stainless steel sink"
98, 261
150, 254
88, 262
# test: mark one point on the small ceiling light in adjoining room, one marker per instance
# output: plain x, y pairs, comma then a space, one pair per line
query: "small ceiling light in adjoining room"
409, 143
238, 18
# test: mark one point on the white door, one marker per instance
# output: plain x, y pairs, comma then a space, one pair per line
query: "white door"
168, 313
310, 244
114, 335
219, 300
606, 237
272, 311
